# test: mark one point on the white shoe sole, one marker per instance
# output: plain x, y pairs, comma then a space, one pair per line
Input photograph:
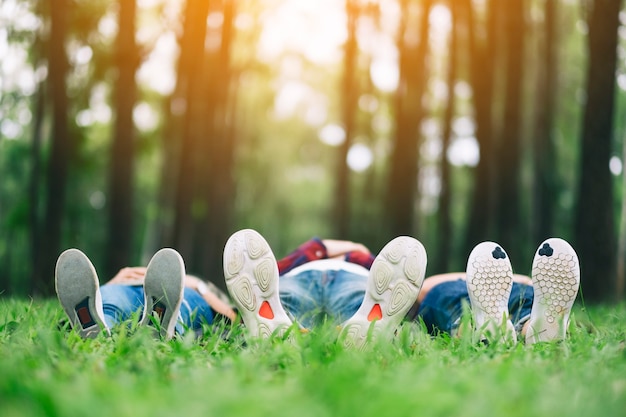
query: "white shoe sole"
251, 274
489, 284
77, 287
556, 278
163, 291
394, 282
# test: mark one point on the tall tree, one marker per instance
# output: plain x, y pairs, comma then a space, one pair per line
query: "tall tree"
194, 126
595, 224
217, 186
402, 183
349, 95
509, 228
482, 69
544, 152
444, 215
122, 148
61, 145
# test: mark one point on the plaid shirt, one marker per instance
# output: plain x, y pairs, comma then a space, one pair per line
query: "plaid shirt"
313, 250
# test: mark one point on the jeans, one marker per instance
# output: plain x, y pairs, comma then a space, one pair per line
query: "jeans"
119, 302
442, 307
323, 290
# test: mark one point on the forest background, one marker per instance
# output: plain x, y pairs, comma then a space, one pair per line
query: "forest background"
127, 126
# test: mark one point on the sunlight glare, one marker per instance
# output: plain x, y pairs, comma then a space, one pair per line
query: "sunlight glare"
615, 165
464, 151
332, 134
360, 157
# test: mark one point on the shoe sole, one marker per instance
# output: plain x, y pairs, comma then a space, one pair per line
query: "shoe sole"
489, 284
77, 287
394, 282
163, 291
556, 278
251, 274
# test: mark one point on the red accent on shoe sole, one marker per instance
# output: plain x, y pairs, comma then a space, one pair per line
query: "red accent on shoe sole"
266, 310
84, 316
375, 313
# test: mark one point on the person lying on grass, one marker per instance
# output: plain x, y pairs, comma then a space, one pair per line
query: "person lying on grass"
341, 281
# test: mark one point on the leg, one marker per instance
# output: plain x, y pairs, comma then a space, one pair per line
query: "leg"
300, 295
393, 285
78, 290
251, 274
194, 310
556, 277
489, 282
120, 302
163, 288
344, 292
442, 307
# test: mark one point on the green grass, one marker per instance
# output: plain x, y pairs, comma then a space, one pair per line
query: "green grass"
47, 371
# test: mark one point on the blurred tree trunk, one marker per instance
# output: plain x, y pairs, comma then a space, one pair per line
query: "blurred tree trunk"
482, 62
218, 186
122, 154
194, 129
510, 230
621, 248
175, 108
61, 147
544, 153
349, 94
595, 224
34, 189
402, 186
444, 216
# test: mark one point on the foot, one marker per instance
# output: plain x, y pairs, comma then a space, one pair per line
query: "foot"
489, 284
163, 291
393, 285
556, 277
251, 274
77, 287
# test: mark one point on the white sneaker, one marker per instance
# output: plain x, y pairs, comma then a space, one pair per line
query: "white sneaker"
251, 274
394, 282
77, 287
489, 284
556, 277
163, 291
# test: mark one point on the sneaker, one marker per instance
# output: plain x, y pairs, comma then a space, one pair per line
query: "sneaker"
77, 287
489, 284
556, 277
251, 274
393, 285
163, 291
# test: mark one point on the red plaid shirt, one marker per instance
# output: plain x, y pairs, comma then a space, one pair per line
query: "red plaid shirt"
313, 250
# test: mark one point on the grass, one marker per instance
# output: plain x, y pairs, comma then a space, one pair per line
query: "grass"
47, 371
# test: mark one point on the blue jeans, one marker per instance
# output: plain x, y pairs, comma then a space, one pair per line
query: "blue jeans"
119, 302
442, 307
323, 290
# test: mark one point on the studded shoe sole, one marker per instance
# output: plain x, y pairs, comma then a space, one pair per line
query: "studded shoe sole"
163, 291
251, 274
556, 278
489, 284
77, 287
394, 282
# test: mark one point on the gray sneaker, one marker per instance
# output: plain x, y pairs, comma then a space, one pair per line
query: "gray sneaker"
556, 277
394, 282
251, 274
163, 291
77, 287
489, 284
